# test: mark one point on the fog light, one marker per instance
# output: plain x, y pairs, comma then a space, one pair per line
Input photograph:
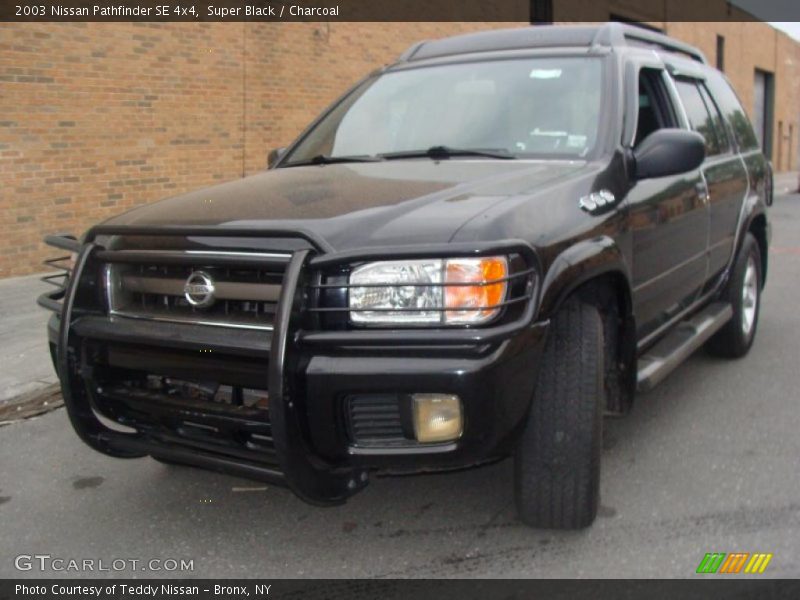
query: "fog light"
437, 417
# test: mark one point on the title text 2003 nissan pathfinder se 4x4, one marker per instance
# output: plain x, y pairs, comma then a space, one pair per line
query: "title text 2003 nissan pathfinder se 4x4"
476, 252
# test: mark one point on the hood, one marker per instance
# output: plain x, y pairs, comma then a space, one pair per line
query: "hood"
358, 204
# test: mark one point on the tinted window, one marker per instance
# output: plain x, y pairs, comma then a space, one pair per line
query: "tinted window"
699, 118
719, 124
655, 110
732, 110
530, 107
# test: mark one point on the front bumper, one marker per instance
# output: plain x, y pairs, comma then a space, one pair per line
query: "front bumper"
308, 376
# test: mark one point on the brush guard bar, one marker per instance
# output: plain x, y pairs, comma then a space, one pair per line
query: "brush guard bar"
308, 476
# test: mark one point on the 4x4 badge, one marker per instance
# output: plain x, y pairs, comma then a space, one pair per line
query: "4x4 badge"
596, 200
199, 289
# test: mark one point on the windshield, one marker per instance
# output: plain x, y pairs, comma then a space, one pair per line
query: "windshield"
530, 107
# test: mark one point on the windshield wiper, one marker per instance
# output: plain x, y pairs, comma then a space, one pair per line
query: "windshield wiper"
435, 152
322, 159
448, 152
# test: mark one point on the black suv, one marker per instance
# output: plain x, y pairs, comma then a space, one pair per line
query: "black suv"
476, 252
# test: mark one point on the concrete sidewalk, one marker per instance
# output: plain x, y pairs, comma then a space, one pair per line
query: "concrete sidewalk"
25, 363
786, 183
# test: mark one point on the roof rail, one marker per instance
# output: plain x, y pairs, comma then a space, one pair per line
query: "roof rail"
622, 34
613, 34
411, 51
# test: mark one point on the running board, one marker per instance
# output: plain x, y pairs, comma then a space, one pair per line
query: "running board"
680, 343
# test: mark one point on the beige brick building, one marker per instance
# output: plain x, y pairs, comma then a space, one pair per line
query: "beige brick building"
98, 118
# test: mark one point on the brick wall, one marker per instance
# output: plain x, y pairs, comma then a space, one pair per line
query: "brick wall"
98, 118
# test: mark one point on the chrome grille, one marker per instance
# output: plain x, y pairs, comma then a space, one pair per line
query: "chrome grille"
245, 296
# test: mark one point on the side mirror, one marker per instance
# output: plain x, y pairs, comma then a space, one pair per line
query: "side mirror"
275, 155
669, 152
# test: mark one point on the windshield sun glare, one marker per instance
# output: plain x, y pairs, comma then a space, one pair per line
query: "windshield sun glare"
533, 107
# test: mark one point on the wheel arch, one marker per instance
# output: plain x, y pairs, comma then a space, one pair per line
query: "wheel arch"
595, 259
597, 272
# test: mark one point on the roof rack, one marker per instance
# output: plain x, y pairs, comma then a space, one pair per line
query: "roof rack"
622, 34
610, 34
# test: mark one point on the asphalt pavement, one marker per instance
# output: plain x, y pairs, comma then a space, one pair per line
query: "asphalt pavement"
707, 462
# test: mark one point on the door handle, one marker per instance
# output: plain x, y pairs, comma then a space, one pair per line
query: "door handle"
702, 191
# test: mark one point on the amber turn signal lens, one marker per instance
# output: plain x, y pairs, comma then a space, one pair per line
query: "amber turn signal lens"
475, 303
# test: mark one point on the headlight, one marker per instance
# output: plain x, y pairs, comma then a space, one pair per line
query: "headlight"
456, 291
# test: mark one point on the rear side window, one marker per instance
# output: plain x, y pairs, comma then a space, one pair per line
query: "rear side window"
716, 118
700, 119
733, 112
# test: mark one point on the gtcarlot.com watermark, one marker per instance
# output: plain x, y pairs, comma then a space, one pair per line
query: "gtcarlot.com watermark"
58, 564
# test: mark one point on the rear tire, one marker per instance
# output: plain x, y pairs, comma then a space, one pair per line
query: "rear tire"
557, 463
743, 292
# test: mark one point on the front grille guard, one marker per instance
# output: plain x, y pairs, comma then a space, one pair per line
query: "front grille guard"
431, 336
51, 300
308, 475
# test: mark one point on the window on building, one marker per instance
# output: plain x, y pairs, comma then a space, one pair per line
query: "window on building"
763, 108
541, 12
623, 19
721, 52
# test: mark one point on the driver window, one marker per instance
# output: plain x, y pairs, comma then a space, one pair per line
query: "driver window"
655, 110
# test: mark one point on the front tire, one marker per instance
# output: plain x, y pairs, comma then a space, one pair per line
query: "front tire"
743, 292
557, 463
